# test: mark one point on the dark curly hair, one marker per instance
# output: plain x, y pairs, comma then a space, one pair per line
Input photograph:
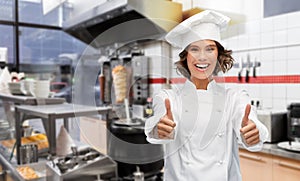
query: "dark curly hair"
224, 58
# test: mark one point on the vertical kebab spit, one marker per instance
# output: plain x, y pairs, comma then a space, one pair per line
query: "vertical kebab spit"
119, 75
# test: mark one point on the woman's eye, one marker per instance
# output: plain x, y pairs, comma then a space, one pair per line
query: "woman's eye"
210, 49
194, 49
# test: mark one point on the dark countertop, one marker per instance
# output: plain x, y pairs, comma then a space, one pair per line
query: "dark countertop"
273, 149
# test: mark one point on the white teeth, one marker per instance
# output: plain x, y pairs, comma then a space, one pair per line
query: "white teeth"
202, 66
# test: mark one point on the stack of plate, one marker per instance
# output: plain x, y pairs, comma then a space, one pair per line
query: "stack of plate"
15, 88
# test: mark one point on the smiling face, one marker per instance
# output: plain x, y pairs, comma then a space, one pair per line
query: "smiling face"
202, 59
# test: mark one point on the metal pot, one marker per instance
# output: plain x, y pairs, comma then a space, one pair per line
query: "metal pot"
28, 153
26, 131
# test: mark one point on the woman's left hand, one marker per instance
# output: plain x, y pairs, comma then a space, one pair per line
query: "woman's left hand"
249, 132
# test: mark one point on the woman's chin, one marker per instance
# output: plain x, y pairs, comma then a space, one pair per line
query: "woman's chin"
201, 76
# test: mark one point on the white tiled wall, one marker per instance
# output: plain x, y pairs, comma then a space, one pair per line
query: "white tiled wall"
275, 42
160, 63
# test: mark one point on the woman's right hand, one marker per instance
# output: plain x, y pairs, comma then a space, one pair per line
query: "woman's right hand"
166, 124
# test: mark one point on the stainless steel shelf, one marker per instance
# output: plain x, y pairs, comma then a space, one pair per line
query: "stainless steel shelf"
49, 114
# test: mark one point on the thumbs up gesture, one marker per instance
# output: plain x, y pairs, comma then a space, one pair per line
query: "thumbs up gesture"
166, 124
249, 132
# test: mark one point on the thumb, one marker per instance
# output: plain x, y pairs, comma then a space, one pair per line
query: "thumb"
246, 115
168, 109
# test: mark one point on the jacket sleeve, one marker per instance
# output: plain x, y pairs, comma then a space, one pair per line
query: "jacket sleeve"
242, 99
151, 123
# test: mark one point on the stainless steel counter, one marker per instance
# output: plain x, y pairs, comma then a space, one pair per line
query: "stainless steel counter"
29, 100
49, 114
273, 149
8, 165
10, 101
88, 164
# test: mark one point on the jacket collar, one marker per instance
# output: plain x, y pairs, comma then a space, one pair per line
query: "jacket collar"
211, 85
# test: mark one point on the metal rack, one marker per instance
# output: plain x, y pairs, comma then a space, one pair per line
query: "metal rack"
49, 114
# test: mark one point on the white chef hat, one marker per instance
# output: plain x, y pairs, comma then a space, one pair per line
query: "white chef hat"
205, 25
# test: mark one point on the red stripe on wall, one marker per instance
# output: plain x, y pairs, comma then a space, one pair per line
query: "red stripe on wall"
157, 80
275, 79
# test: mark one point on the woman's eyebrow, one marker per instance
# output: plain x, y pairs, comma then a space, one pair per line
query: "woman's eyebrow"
211, 45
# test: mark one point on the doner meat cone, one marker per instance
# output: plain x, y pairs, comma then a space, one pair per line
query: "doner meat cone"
120, 82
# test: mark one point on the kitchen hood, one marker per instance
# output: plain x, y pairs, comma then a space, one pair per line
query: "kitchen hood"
119, 21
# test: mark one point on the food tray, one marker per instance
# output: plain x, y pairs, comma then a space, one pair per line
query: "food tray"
39, 139
39, 168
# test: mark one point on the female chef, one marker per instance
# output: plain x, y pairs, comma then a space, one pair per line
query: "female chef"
202, 123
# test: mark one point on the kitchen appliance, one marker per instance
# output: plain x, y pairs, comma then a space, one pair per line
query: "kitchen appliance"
293, 116
134, 19
128, 146
126, 140
140, 82
276, 123
137, 72
293, 129
83, 164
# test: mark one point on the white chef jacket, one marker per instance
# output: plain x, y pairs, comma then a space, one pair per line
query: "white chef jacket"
207, 133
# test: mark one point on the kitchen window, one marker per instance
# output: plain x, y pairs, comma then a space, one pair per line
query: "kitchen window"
7, 10
7, 41
40, 16
278, 7
44, 46
35, 41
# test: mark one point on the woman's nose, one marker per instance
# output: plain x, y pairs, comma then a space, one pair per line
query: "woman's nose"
201, 56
